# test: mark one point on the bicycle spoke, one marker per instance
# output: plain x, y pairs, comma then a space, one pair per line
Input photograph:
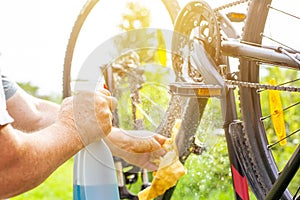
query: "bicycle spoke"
145, 114
280, 43
287, 108
288, 135
298, 191
152, 102
284, 12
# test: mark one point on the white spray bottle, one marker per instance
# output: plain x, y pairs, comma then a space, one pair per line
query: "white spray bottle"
94, 174
94, 171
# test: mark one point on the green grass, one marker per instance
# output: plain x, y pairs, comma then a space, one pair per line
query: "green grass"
57, 187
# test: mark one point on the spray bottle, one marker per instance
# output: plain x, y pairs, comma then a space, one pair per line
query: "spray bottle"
94, 170
94, 174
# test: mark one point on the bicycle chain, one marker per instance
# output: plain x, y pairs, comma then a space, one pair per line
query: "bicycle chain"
228, 5
262, 86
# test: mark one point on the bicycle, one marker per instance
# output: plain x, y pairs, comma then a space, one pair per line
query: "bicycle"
207, 68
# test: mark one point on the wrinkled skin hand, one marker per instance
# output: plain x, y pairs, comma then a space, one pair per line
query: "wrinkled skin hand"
141, 148
88, 114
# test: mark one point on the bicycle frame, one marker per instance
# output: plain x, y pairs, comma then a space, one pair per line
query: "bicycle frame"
264, 54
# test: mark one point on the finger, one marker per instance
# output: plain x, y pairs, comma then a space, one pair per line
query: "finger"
104, 91
159, 153
160, 138
151, 166
151, 145
114, 103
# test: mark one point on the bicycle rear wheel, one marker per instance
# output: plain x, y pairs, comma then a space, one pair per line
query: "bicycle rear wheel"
263, 160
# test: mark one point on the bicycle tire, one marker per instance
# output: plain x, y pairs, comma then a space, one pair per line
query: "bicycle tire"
256, 158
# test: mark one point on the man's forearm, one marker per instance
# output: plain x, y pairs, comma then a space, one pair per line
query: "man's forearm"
28, 159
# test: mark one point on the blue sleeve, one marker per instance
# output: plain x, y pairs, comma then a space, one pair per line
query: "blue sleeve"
9, 87
5, 118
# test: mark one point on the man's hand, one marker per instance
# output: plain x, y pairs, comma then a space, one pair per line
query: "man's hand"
88, 114
141, 148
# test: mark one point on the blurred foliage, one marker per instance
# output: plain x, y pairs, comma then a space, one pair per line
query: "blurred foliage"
34, 91
138, 17
29, 88
135, 16
208, 175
